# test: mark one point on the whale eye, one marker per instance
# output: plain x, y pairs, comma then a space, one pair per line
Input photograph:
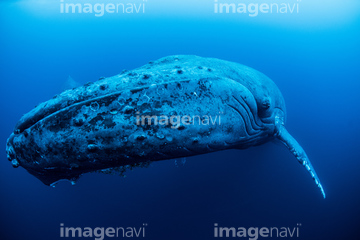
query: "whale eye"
264, 108
265, 104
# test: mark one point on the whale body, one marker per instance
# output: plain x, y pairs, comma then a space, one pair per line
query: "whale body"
174, 107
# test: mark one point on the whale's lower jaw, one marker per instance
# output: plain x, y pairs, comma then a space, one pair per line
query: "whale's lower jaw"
50, 173
64, 162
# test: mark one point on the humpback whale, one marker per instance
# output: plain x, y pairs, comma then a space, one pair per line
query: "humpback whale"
96, 127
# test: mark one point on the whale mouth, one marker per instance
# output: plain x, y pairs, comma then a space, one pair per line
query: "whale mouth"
10, 152
45, 109
84, 95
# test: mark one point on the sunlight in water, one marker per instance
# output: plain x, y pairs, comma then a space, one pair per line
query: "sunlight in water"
305, 13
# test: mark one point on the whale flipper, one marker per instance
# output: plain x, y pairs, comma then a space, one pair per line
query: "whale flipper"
285, 137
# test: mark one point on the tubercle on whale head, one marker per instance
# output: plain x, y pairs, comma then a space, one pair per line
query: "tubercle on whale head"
10, 153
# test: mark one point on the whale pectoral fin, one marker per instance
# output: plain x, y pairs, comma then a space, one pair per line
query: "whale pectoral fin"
284, 136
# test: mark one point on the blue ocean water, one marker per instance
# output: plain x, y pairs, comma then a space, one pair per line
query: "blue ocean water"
313, 57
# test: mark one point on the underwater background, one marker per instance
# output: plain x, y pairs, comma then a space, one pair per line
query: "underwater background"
314, 58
